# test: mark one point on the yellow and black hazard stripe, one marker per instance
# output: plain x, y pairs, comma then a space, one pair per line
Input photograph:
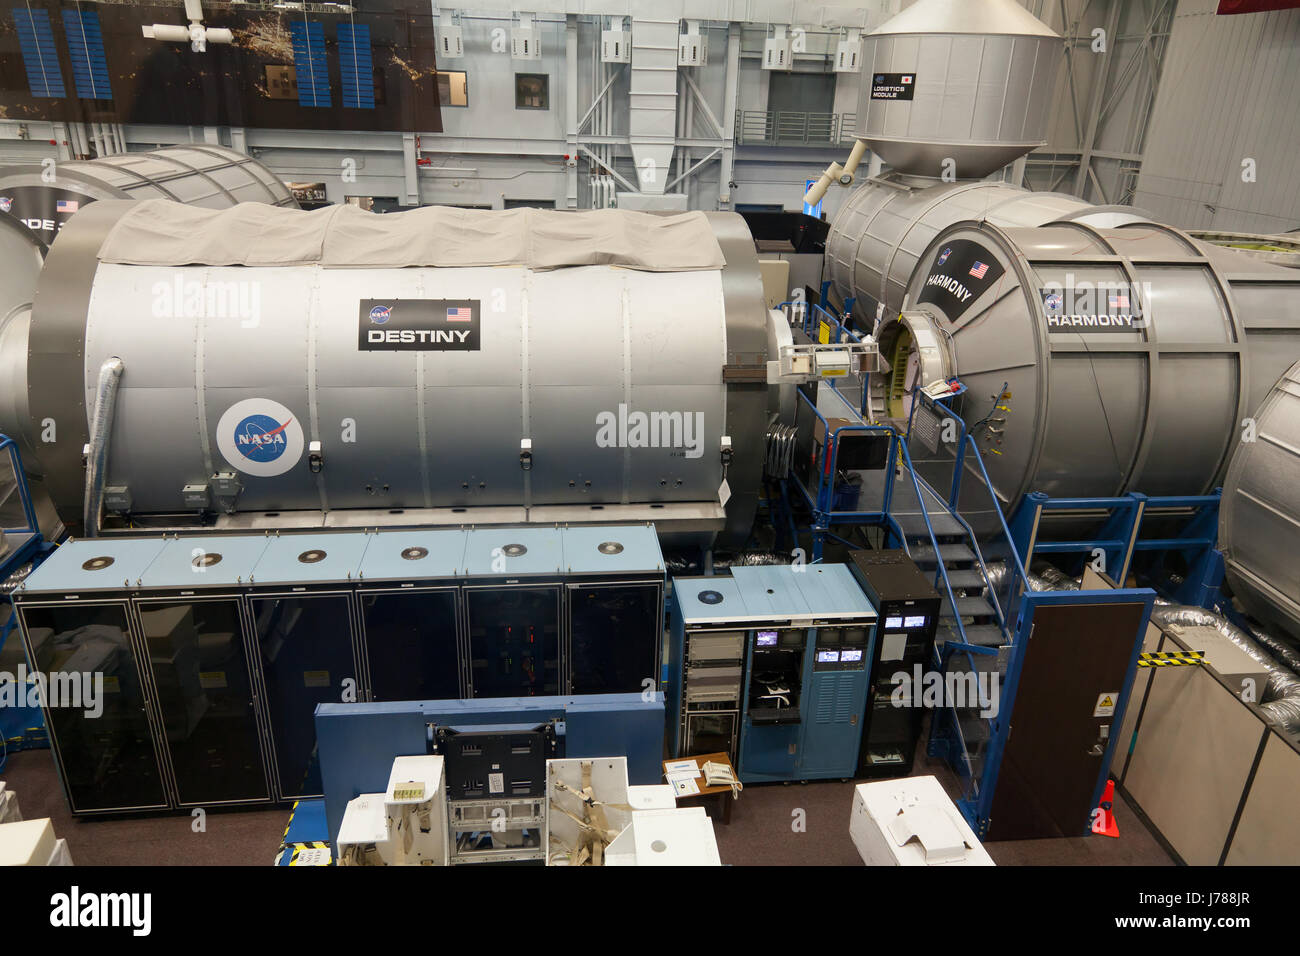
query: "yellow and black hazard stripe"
284, 840
295, 850
1171, 659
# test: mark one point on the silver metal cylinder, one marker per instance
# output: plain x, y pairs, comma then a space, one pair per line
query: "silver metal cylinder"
197, 174
879, 235
957, 88
248, 387
1097, 406
1259, 520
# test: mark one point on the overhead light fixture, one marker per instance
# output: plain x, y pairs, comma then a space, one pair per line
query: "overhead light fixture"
776, 51
692, 46
848, 53
615, 43
525, 39
451, 44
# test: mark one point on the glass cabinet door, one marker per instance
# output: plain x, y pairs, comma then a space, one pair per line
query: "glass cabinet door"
411, 644
200, 672
105, 745
305, 649
514, 641
709, 733
614, 638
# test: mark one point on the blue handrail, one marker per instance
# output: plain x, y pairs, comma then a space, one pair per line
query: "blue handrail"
1016, 571
836, 332
29, 510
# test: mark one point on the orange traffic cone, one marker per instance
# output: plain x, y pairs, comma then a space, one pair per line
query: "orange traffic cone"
1103, 820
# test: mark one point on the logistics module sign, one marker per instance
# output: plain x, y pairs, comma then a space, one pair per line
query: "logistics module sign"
418, 325
893, 86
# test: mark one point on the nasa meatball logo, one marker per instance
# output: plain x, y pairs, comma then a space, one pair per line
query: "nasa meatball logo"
6, 204
380, 314
260, 437
1053, 301
943, 256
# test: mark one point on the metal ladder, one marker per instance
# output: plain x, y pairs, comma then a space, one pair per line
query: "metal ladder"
969, 614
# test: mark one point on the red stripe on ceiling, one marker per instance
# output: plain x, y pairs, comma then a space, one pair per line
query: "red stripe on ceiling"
1256, 6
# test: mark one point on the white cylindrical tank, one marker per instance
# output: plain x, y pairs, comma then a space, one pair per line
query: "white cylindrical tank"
1259, 519
434, 366
957, 88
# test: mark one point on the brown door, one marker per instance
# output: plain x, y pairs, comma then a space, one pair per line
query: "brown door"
1053, 759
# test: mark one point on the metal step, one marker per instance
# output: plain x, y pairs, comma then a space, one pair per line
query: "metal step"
982, 635
966, 579
951, 553
967, 607
942, 522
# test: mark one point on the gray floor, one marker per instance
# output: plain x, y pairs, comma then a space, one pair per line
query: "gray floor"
760, 832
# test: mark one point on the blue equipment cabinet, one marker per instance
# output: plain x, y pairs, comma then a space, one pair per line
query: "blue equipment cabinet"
780, 654
814, 663
215, 650
707, 654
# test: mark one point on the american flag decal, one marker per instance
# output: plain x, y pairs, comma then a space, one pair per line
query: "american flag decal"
460, 314
66, 205
979, 270
1118, 301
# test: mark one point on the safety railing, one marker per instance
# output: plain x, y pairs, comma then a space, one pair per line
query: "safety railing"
822, 503
793, 128
994, 540
17, 514
825, 327
1119, 540
953, 454
936, 439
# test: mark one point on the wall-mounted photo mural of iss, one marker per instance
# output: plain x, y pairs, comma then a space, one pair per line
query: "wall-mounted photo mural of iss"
339, 66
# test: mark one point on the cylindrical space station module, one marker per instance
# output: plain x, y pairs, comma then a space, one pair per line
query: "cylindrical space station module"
40, 199
198, 174
281, 368
1131, 352
1259, 520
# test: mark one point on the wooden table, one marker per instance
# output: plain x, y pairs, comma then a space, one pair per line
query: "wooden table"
721, 797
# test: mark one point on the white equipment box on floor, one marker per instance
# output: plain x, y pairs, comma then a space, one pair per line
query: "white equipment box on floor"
405, 826
9, 812
655, 796
681, 837
912, 822
594, 818
32, 843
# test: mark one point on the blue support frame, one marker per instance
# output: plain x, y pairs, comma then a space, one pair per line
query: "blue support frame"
1120, 538
21, 727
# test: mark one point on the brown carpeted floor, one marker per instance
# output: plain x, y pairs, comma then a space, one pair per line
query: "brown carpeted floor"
760, 832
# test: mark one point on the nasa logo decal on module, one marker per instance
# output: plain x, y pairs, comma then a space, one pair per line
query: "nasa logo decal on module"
260, 437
